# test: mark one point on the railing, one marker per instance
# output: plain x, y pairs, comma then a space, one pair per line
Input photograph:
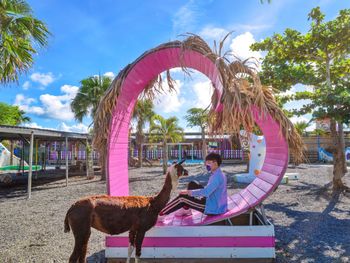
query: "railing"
155, 154
80, 155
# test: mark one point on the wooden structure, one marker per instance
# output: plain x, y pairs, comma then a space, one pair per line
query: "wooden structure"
31, 134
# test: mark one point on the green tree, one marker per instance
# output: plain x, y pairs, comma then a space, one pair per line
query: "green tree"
12, 115
165, 130
20, 34
301, 126
88, 97
319, 58
199, 117
86, 101
143, 113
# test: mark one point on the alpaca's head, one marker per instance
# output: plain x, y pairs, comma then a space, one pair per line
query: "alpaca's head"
175, 171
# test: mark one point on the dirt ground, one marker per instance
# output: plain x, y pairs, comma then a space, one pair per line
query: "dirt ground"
311, 224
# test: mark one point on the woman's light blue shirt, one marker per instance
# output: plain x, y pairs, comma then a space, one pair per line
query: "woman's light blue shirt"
215, 193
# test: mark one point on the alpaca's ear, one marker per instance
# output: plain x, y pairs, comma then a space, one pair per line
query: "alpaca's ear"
182, 161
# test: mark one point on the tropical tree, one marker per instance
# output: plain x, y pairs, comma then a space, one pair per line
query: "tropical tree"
88, 97
165, 130
86, 102
199, 117
301, 126
12, 115
143, 113
319, 58
20, 34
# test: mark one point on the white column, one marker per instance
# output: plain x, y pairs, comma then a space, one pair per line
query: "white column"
31, 146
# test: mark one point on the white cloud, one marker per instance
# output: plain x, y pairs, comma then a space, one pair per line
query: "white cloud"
296, 104
21, 99
58, 107
80, 127
33, 125
213, 33
185, 18
176, 70
203, 91
109, 74
52, 106
26, 85
169, 102
42, 78
192, 129
24, 104
304, 118
70, 91
257, 27
240, 47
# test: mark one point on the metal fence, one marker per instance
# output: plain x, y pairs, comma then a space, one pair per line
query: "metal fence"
156, 154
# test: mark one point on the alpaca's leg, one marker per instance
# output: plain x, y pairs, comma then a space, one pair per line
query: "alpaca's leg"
138, 243
130, 250
81, 231
131, 244
85, 240
75, 254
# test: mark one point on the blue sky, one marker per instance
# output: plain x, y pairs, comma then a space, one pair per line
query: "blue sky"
92, 37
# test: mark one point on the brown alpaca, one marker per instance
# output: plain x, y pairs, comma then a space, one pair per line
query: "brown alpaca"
116, 214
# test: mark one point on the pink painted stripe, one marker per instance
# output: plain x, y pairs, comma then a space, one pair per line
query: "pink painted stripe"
195, 241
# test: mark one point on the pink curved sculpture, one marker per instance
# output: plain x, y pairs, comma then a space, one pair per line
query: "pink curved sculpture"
144, 70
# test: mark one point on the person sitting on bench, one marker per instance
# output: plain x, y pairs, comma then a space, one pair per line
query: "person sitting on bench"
210, 200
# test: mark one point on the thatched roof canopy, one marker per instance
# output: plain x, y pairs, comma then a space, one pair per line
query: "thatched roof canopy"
242, 91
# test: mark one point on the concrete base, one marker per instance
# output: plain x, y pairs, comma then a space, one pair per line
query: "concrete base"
187, 260
248, 178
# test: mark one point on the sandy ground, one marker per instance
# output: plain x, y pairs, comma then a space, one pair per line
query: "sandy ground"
311, 225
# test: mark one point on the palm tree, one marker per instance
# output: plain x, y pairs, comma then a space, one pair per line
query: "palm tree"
12, 115
199, 117
20, 32
86, 101
21, 118
143, 112
165, 130
90, 92
301, 126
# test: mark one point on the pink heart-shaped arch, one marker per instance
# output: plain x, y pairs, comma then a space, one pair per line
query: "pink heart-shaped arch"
143, 71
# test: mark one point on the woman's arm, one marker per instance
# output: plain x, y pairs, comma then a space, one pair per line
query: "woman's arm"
207, 191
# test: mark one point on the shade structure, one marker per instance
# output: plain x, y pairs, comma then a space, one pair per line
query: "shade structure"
146, 68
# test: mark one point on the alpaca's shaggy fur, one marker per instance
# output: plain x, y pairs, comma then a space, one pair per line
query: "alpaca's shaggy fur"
116, 214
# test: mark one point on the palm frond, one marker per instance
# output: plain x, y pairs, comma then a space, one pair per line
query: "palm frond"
242, 92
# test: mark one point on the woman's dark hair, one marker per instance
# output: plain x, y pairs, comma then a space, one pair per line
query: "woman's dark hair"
214, 157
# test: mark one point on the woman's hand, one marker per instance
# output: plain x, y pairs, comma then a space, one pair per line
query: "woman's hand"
185, 192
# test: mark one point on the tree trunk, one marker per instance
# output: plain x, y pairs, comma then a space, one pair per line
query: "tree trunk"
139, 154
338, 166
204, 144
11, 151
89, 161
103, 167
139, 141
165, 157
342, 146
